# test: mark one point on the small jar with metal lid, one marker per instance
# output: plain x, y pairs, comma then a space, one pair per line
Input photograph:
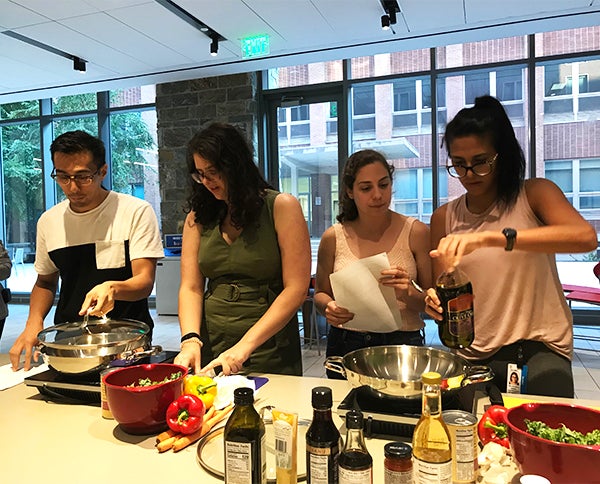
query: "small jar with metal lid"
398, 467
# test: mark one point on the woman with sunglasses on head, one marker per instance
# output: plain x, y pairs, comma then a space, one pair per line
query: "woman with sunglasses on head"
245, 263
504, 233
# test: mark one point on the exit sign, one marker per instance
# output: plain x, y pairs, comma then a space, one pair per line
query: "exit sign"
256, 46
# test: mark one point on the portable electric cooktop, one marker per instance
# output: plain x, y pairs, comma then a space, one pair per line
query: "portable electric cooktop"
72, 388
389, 416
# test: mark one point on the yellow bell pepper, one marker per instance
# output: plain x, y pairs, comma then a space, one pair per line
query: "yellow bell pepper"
203, 387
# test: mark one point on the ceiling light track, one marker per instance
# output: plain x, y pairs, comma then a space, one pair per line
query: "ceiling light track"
79, 64
184, 15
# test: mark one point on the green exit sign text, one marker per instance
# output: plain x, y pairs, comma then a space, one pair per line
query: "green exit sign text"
255, 46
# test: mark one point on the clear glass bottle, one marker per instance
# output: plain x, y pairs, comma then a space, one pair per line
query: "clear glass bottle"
457, 329
323, 440
244, 437
355, 462
431, 438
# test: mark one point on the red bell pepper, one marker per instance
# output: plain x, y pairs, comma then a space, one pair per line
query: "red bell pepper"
492, 426
186, 414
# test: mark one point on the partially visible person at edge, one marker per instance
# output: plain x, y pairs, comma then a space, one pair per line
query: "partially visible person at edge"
101, 244
368, 227
504, 233
250, 245
5, 269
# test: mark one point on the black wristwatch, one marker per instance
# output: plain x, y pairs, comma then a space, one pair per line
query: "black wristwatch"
511, 236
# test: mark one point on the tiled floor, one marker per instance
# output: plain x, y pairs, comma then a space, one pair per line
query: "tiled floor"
586, 361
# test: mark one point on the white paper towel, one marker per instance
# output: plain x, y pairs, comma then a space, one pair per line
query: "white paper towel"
9, 378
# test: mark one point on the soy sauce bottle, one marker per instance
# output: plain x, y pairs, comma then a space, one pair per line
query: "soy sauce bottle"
244, 436
355, 462
323, 440
457, 328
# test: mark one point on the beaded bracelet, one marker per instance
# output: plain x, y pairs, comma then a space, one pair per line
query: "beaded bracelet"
192, 339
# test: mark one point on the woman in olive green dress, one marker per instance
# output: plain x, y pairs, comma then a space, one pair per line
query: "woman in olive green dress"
245, 263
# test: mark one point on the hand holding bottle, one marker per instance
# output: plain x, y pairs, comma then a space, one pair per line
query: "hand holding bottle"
450, 304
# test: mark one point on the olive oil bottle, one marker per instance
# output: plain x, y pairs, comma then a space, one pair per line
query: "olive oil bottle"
457, 328
432, 451
244, 437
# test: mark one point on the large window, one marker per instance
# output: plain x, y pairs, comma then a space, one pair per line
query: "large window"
396, 98
27, 130
22, 182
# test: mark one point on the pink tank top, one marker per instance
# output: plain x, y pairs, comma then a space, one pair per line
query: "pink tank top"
400, 254
517, 294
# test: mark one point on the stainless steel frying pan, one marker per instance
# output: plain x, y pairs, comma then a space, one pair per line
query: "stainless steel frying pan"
395, 370
79, 348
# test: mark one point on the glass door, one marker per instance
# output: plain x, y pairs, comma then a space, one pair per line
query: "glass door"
305, 153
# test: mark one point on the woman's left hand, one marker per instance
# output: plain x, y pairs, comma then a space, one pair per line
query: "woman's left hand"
395, 277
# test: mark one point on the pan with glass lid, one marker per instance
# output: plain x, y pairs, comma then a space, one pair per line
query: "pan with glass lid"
84, 347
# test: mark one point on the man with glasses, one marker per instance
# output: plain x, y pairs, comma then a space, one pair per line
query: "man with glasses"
101, 244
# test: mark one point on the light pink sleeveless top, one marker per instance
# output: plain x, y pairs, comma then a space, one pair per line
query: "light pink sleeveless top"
517, 294
400, 254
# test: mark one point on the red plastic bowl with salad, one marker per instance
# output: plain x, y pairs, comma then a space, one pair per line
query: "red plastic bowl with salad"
138, 396
559, 462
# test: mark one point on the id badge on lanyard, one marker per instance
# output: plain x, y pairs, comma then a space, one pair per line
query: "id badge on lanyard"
516, 374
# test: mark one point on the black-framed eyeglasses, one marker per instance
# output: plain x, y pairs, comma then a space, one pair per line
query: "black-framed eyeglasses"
482, 168
80, 179
199, 176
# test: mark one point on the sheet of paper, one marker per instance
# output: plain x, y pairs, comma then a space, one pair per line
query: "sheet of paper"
9, 378
356, 287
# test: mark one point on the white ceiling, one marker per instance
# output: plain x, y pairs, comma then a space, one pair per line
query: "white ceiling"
122, 40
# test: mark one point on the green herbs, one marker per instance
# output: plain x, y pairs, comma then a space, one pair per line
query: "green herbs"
147, 382
562, 434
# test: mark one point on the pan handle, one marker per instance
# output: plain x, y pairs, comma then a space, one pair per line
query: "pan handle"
134, 355
477, 374
335, 363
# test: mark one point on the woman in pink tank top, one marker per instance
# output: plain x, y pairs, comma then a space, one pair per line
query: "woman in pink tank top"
368, 227
504, 233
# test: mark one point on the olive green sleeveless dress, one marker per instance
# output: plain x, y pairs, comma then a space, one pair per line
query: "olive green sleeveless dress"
244, 278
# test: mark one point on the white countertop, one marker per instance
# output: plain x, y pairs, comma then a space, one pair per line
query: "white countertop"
51, 442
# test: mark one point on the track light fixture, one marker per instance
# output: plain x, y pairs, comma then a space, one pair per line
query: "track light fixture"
385, 22
390, 7
214, 46
79, 64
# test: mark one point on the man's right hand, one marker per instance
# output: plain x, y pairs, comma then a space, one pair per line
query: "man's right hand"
26, 341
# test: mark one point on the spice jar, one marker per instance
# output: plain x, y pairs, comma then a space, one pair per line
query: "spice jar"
398, 467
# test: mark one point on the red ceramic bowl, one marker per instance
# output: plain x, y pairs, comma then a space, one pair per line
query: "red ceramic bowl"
142, 410
560, 463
